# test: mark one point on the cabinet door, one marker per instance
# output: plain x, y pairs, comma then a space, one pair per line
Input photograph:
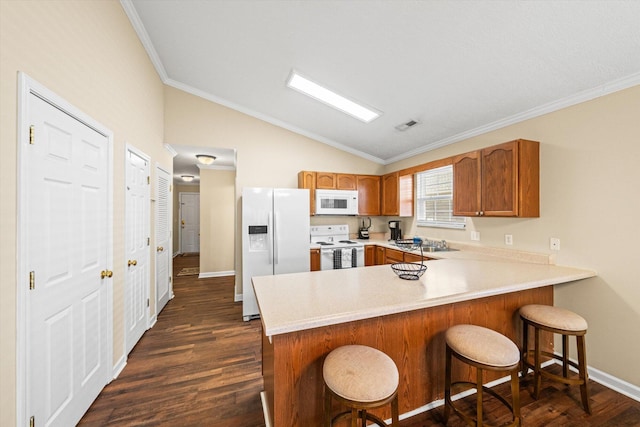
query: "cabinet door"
466, 184
326, 180
380, 255
307, 179
368, 194
390, 194
393, 256
345, 182
314, 260
500, 180
411, 257
369, 255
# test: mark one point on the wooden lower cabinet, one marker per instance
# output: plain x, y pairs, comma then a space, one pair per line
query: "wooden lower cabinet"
380, 255
369, 255
315, 260
292, 362
412, 257
393, 256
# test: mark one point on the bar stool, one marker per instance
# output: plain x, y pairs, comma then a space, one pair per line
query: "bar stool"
361, 378
485, 350
558, 321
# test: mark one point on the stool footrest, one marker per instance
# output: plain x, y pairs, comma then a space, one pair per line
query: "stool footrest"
468, 418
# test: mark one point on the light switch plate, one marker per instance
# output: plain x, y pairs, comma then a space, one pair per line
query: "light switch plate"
475, 235
508, 239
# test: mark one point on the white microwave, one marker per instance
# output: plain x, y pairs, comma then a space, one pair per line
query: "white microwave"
336, 202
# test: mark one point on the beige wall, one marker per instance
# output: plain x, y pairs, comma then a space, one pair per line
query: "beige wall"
589, 199
88, 54
217, 221
177, 189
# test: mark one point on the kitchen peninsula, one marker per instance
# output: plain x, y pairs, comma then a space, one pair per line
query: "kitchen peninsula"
306, 315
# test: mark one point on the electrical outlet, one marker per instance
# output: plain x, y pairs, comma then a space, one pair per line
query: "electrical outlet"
554, 244
508, 239
475, 235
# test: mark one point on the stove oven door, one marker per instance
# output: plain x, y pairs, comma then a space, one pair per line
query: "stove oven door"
339, 258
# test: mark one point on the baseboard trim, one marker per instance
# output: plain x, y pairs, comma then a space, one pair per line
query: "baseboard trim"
119, 366
616, 384
265, 409
216, 274
238, 298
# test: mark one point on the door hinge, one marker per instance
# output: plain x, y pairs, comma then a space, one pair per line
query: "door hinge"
32, 421
148, 241
147, 302
170, 188
170, 279
32, 130
32, 280
148, 180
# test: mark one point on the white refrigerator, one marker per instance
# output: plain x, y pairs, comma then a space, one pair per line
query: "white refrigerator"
275, 237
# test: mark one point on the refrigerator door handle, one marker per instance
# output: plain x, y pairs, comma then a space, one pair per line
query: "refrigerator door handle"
275, 238
270, 238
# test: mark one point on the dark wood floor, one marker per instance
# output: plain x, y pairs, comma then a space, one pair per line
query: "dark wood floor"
200, 365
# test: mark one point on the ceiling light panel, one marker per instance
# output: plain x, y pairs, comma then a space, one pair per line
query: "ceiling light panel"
330, 98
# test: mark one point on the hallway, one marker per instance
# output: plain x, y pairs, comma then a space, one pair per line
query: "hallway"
199, 365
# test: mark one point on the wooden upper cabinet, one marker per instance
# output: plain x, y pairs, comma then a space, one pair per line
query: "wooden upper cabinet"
326, 180
368, 194
345, 181
307, 179
397, 194
466, 189
502, 180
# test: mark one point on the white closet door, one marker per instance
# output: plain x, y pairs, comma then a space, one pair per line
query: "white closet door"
137, 280
66, 227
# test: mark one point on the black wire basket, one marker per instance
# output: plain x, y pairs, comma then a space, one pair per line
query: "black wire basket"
410, 270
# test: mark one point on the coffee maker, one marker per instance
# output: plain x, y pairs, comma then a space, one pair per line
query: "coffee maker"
394, 227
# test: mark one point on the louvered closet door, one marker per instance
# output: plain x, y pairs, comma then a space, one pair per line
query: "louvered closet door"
164, 291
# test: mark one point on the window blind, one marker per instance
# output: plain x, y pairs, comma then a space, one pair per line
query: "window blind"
434, 199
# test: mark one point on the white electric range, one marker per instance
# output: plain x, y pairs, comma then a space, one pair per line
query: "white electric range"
337, 251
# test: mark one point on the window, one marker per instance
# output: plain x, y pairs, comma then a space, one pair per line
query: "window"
434, 199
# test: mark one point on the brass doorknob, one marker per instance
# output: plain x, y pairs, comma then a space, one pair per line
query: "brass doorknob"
132, 262
106, 273
159, 249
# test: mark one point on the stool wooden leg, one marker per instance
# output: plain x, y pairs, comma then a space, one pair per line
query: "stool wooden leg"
515, 396
525, 347
354, 417
565, 356
327, 407
479, 397
582, 372
447, 385
536, 361
395, 413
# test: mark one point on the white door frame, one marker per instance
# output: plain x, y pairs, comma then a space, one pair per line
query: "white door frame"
26, 87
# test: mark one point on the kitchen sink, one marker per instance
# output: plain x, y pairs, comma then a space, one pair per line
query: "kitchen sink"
437, 249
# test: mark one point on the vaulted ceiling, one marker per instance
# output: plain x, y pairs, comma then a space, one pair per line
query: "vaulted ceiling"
458, 68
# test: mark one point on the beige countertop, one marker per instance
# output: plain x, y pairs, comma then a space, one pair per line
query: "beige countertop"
299, 301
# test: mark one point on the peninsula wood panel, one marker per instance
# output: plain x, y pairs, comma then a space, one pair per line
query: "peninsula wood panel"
414, 340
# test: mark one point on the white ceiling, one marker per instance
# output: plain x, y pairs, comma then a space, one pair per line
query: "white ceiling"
460, 68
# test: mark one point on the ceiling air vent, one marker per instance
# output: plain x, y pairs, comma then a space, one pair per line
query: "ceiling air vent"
404, 126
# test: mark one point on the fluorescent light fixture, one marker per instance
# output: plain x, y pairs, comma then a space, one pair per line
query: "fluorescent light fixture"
326, 96
205, 159
187, 178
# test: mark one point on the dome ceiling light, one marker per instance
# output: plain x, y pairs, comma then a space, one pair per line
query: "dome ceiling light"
205, 159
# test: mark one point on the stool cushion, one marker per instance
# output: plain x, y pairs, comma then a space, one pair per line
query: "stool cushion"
482, 345
360, 373
554, 317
